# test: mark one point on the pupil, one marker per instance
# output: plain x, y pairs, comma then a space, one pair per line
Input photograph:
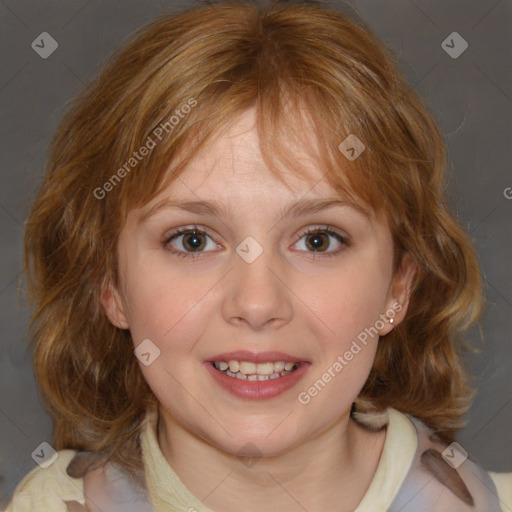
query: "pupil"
316, 241
193, 240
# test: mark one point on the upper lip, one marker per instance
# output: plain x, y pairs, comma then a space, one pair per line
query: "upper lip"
259, 357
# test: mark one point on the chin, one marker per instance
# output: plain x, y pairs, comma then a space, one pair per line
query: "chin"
256, 440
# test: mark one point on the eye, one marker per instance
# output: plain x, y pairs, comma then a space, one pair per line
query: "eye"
317, 239
188, 239
191, 242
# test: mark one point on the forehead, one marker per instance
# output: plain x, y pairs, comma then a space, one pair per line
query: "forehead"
232, 167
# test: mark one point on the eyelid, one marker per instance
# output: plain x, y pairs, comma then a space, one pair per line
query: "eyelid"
324, 228
342, 238
187, 256
185, 229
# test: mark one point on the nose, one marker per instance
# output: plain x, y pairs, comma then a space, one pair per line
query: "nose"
256, 293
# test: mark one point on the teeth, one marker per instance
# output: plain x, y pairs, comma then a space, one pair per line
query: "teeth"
265, 369
245, 370
279, 366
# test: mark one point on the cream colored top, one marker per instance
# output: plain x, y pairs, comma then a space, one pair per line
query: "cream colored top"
46, 490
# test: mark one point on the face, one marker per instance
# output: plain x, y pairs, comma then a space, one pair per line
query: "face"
245, 285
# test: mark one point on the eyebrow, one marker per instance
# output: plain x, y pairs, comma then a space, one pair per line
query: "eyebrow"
214, 208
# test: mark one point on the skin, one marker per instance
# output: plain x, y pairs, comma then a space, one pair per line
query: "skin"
291, 299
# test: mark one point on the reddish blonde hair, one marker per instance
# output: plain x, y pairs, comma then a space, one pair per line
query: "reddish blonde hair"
288, 61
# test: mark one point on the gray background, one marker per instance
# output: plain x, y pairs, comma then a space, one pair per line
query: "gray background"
471, 98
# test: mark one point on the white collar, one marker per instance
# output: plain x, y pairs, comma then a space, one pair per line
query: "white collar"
168, 492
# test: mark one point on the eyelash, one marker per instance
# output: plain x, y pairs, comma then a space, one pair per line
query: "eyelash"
319, 229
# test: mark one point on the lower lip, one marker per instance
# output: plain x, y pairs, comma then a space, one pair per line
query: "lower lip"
257, 389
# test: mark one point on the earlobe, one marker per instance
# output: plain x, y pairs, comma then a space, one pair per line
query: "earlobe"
113, 306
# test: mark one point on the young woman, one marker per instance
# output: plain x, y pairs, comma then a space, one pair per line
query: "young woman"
250, 289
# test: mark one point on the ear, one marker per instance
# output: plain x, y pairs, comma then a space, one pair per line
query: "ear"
399, 294
113, 305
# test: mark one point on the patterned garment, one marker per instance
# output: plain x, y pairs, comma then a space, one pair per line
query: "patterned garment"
432, 484
435, 485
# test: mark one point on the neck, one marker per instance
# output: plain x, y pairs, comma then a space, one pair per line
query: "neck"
334, 467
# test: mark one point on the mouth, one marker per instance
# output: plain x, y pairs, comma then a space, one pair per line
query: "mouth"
260, 376
247, 370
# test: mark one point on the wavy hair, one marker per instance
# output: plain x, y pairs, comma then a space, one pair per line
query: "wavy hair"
290, 61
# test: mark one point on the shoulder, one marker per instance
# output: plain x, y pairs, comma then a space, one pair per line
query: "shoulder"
48, 488
503, 483
444, 477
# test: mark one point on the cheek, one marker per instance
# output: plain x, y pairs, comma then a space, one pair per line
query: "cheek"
155, 303
346, 326
167, 306
170, 310
349, 301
